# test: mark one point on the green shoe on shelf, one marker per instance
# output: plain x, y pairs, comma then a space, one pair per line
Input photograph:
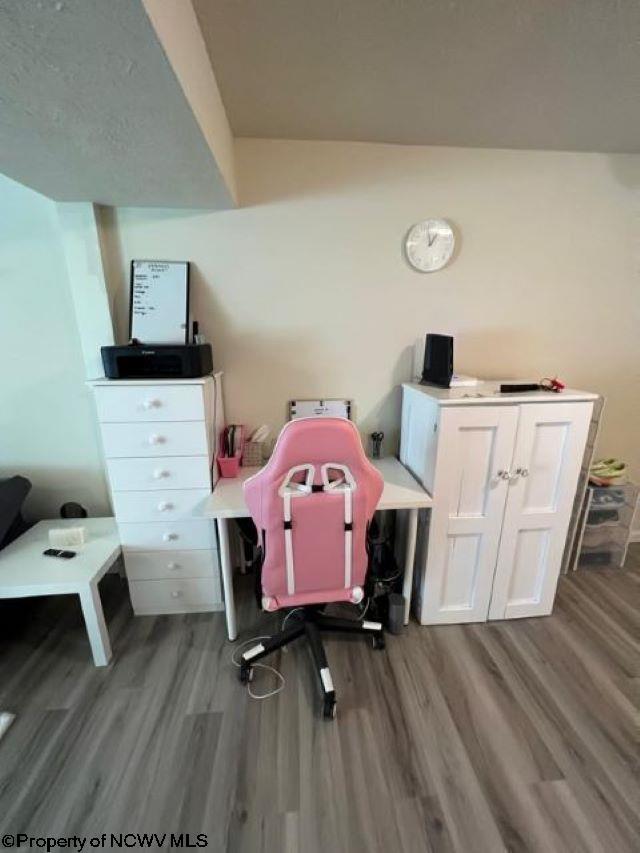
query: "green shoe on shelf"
608, 471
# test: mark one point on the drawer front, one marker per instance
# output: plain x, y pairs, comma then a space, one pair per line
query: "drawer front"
167, 472
165, 505
175, 596
150, 403
167, 535
161, 439
171, 565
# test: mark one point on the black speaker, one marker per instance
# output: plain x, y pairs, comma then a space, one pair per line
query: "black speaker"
438, 360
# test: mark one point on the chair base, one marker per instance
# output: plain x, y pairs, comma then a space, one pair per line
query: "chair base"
310, 622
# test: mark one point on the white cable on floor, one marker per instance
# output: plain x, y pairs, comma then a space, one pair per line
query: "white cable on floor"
290, 613
272, 669
279, 675
364, 612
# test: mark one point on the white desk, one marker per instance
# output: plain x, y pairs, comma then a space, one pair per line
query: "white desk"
25, 572
401, 491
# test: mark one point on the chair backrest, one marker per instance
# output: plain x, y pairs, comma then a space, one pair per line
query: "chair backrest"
311, 504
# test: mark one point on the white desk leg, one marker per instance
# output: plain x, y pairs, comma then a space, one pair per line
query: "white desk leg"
227, 577
409, 559
96, 626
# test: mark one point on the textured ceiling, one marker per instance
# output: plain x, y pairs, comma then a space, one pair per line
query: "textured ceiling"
555, 74
90, 109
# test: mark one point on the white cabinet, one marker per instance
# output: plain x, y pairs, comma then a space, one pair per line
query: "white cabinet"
159, 441
503, 472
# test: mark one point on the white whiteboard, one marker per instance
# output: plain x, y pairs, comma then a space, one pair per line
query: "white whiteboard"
159, 310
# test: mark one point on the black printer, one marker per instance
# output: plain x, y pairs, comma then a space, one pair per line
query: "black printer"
157, 361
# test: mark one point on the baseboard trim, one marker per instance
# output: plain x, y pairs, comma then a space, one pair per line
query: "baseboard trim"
634, 536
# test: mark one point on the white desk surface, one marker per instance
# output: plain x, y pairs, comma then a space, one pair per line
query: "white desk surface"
401, 491
24, 571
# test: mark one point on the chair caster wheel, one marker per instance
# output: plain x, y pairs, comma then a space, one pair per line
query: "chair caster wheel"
329, 709
246, 673
378, 642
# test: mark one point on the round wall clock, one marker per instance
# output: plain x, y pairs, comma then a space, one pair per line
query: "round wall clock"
429, 245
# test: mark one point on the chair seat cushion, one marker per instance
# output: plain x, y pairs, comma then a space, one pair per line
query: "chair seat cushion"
353, 595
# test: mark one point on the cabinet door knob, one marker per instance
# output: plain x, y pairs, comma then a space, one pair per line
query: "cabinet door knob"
522, 472
504, 475
156, 439
176, 593
158, 474
163, 506
169, 537
150, 404
173, 566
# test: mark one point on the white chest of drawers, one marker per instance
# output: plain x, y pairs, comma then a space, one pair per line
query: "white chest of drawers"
159, 439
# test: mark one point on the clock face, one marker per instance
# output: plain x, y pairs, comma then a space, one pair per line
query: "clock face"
429, 245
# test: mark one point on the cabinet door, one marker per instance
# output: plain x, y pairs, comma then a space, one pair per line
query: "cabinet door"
546, 463
475, 443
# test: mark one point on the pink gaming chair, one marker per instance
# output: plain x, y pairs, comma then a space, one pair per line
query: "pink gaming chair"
311, 504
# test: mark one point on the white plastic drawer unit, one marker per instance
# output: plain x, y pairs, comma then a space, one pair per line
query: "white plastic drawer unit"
155, 439
168, 472
176, 596
165, 505
166, 535
159, 438
171, 565
150, 403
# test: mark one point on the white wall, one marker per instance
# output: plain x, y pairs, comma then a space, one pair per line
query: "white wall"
47, 423
304, 291
82, 247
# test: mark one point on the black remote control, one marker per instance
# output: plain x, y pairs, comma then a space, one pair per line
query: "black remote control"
57, 552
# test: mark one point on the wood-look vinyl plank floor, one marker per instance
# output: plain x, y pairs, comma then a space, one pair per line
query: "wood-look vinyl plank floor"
519, 735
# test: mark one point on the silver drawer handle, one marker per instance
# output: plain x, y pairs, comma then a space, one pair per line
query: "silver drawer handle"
158, 474
173, 566
151, 404
176, 593
163, 506
169, 537
156, 439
